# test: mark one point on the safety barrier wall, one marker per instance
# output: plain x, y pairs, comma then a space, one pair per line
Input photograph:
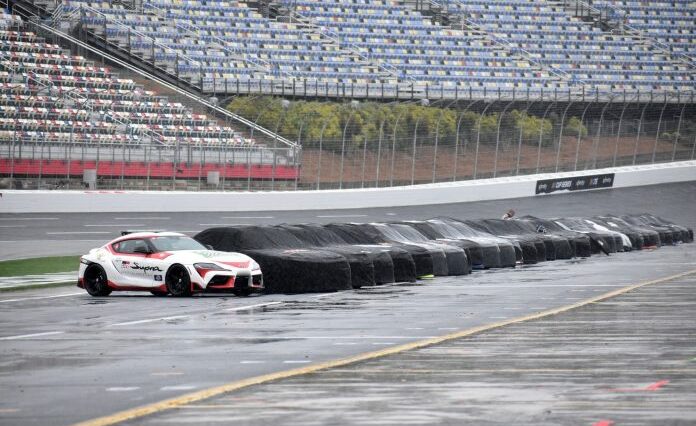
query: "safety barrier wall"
14, 201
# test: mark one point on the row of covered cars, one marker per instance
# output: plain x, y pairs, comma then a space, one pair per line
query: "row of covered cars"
339, 256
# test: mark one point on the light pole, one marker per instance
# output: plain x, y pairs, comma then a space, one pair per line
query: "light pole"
478, 138
354, 105
393, 156
456, 140
321, 142
285, 104
379, 151
437, 137
425, 103
497, 138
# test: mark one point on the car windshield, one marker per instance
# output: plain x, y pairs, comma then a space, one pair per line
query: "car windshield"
176, 243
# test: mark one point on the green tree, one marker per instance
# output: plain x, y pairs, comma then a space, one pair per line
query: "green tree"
574, 127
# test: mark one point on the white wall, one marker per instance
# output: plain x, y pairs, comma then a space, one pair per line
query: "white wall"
14, 201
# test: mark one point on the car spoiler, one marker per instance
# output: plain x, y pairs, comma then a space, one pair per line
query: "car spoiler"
133, 231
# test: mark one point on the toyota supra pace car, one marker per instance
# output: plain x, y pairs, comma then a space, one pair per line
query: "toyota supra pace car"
166, 263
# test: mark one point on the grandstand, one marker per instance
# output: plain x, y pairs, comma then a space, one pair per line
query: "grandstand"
53, 100
606, 82
421, 48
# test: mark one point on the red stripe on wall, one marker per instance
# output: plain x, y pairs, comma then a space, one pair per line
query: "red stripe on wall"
75, 168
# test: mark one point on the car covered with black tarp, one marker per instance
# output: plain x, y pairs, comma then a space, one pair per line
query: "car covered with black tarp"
369, 266
366, 234
288, 265
457, 261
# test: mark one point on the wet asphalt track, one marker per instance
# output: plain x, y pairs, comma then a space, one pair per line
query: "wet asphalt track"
66, 357
624, 361
31, 235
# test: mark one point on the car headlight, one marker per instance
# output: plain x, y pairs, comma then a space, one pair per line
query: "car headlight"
204, 268
254, 266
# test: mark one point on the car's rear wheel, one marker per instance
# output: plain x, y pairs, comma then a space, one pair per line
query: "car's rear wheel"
159, 293
95, 281
178, 281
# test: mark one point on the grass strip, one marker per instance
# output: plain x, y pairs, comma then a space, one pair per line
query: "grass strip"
38, 286
39, 265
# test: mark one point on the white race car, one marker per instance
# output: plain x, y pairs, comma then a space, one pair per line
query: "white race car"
166, 263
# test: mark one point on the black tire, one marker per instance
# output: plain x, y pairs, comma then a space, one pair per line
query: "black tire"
178, 281
95, 281
159, 293
242, 292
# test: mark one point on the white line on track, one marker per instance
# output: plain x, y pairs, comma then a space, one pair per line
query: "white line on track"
178, 388
28, 336
112, 225
328, 216
223, 224
482, 286
252, 362
28, 218
145, 321
122, 389
244, 308
246, 217
321, 296
143, 218
341, 337
13, 226
41, 297
297, 362
41, 241
78, 232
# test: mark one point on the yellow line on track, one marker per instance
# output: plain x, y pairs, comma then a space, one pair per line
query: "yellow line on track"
192, 397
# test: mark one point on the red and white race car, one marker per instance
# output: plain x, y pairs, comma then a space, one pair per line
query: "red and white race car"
166, 263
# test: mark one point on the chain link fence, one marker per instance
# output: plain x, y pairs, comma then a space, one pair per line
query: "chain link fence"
364, 149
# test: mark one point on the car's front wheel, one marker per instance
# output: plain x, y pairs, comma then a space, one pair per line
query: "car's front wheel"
178, 281
95, 281
242, 292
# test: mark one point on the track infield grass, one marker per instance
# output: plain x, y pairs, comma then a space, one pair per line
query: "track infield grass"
39, 265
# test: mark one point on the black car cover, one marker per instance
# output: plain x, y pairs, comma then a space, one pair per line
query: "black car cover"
287, 266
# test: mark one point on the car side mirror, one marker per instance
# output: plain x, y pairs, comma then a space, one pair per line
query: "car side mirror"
209, 247
142, 250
